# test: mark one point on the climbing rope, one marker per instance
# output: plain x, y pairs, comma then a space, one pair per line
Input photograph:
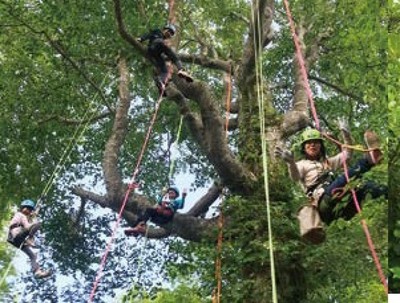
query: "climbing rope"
132, 185
314, 112
76, 137
171, 19
217, 293
261, 105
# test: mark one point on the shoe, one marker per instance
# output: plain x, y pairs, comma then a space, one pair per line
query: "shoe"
185, 75
374, 155
40, 274
161, 88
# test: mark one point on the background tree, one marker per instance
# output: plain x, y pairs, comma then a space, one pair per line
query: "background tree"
68, 67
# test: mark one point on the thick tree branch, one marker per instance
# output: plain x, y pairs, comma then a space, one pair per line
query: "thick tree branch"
212, 137
264, 13
123, 32
202, 205
298, 118
112, 176
88, 195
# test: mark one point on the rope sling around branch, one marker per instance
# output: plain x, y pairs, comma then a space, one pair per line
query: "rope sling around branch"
313, 109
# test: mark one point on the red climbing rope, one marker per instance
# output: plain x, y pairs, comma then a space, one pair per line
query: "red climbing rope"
132, 185
315, 116
302, 65
171, 17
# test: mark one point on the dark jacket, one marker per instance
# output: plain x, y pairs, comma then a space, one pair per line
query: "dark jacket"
157, 48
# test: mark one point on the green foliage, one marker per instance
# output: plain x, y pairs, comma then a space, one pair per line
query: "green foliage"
49, 50
394, 146
182, 293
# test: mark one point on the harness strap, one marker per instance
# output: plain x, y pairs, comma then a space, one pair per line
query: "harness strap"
15, 225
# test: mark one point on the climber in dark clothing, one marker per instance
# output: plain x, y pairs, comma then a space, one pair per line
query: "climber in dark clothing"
159, 53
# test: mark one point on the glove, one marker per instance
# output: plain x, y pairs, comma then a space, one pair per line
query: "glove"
284, 154
342, 124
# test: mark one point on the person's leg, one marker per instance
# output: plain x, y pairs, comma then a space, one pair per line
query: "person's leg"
148, 214
140, 225
325, 209
356, 171
327, 204
164, 215
34, 229
32, 257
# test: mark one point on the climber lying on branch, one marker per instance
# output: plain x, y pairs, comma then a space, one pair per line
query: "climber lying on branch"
167, 204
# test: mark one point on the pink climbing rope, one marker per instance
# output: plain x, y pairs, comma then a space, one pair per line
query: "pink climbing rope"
315, 116
132, 186
302, 65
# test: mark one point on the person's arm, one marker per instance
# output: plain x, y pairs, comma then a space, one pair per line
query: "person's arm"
173, 57
144, 37
288, 157
179, 203
294, 172
23, 221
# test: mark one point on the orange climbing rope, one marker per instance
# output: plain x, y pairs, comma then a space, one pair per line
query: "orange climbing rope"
314, 112
217, 294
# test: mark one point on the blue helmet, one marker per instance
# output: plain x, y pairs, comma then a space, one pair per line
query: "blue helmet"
28, 203
176, 190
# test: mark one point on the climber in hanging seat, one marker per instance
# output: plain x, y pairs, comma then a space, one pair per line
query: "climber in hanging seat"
167, 204
21, 232
159, 53
314, 172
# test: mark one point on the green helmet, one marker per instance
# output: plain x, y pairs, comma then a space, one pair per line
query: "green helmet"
310, 134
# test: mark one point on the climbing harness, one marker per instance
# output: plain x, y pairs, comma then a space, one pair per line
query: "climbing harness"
316, 120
